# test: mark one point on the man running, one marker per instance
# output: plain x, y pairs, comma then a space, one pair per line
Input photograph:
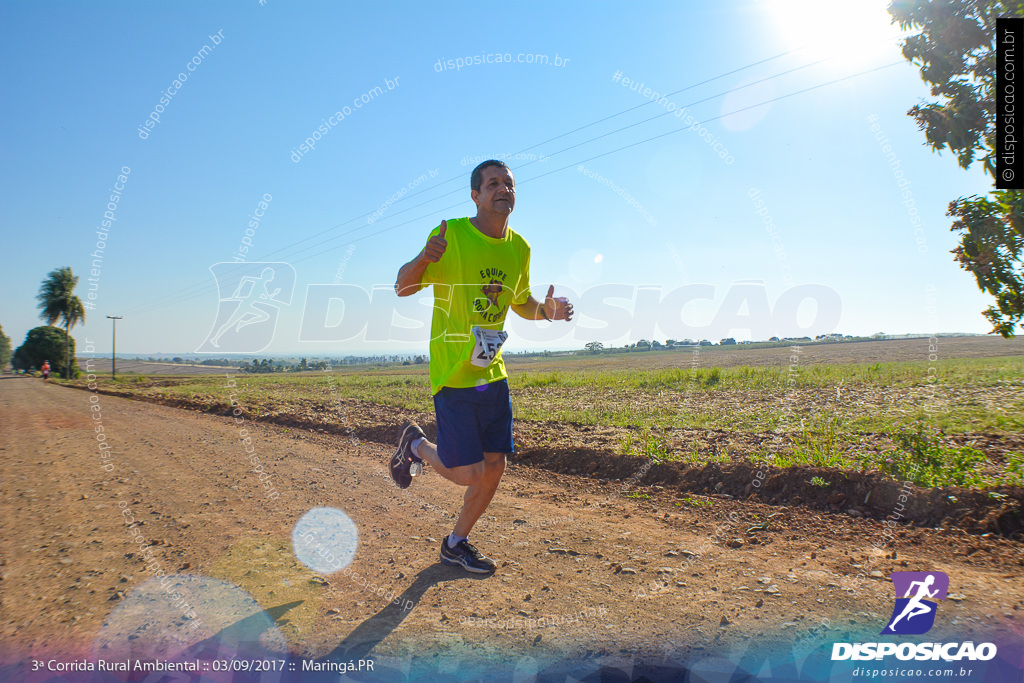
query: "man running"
915, 606
480, 268
46, 371
247, 313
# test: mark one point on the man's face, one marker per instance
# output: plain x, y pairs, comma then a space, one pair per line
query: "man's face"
497, 193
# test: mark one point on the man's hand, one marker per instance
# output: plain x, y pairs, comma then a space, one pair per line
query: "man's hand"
410, 276
557, 308
436, 245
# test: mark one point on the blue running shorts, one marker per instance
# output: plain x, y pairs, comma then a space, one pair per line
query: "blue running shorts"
473, 421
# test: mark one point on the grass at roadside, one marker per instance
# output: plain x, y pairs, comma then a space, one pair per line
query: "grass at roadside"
970, 395
855, 415
961, 371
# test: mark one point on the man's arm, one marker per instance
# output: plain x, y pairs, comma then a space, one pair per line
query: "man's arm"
531, 309
410, 276
553, 308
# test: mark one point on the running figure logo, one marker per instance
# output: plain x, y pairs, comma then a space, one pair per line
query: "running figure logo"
914, 612
250, 296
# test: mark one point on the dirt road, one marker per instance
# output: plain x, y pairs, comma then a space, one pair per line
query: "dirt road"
587, 574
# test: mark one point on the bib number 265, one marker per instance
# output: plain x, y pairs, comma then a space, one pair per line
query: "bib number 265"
488, 343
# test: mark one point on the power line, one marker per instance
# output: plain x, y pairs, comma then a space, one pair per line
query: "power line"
182, 296
634, 144
689, 87
201, 286
566, 149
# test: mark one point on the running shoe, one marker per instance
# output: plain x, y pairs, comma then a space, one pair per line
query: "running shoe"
404, 463
465, 555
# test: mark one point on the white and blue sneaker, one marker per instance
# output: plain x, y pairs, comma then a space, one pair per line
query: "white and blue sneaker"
405, 464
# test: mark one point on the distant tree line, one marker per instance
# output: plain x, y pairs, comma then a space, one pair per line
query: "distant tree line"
5, 349
678, 345
57, 303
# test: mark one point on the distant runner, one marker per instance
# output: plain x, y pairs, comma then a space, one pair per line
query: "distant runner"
46, 370
480, 268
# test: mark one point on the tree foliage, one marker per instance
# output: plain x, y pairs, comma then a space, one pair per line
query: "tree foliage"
5, 348
57, 302
955, 49
41, 344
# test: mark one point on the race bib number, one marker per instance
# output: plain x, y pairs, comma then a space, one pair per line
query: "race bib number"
488, 343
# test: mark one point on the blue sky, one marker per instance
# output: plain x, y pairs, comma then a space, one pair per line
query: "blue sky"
79, 80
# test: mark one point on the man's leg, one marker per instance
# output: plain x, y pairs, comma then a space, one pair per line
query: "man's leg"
478, 496
456, 548
463, 475
475, 424
481, 481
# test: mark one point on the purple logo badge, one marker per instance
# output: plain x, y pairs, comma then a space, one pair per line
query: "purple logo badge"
915, 608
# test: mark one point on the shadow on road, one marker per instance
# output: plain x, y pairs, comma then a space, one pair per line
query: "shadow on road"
363, 638
240, 638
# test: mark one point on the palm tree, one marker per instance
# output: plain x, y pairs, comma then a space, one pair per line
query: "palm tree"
57, 301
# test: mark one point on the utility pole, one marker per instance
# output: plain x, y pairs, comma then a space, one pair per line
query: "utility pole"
113, 349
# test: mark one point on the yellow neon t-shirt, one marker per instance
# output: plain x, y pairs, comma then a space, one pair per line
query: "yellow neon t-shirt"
475, 282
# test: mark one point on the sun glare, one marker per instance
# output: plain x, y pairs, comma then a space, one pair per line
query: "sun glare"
859, 31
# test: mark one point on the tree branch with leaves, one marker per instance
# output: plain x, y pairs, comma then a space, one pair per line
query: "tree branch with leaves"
956, 52
57, 302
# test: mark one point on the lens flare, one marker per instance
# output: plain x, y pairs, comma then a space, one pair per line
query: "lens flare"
325, 540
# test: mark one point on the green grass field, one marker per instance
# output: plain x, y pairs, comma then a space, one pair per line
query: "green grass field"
878, 415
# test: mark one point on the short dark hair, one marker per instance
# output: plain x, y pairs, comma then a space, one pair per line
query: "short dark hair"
477, 178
